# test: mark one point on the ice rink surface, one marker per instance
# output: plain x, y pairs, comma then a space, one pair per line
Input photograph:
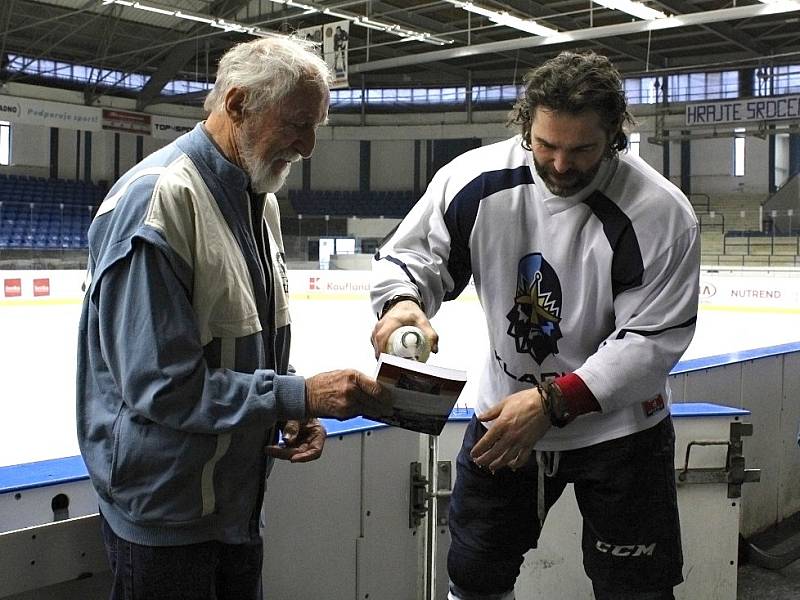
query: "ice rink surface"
38, 341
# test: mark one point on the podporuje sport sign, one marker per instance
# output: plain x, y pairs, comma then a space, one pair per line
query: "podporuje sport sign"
45, 113
49, 114
743, 111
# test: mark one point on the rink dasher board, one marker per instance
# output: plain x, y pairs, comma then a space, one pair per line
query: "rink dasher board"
709, 521
723, 288
353, 504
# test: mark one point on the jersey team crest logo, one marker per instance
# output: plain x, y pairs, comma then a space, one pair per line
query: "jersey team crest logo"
537, 309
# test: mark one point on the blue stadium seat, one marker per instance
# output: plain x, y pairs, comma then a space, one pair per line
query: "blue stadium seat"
352, 203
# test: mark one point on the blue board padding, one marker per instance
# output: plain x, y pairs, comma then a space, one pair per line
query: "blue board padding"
705, 409
719, 360
64, 470
683, 409
356, 425
18, 478
360, 424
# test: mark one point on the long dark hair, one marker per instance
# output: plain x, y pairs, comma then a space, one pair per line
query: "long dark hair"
574, 82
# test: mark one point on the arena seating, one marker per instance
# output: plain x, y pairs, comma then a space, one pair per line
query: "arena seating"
46, 213
736, 232
55, 214
390, 204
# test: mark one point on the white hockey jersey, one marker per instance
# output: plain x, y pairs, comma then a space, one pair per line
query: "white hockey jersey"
603, 284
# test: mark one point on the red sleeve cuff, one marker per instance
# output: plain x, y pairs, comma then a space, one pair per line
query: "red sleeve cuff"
577, 396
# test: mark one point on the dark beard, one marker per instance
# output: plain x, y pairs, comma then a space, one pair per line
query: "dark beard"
577, 180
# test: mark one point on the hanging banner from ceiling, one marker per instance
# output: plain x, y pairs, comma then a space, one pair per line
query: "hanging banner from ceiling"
314, 35
335, 44
49, 114
333, 39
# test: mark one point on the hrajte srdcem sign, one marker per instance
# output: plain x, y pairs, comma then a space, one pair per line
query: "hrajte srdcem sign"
743, 111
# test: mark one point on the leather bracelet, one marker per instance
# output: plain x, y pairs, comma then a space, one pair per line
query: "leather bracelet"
554, 405
397, 299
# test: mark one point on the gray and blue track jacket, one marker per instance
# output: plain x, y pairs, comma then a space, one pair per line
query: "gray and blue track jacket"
183, 349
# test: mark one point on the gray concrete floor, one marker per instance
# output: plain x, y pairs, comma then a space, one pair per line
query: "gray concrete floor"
758, 583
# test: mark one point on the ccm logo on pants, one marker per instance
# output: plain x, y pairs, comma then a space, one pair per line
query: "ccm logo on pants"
628, 550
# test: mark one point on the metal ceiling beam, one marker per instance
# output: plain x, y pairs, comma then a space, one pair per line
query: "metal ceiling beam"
590, 33
389, 12
452, 70
83, 26
725, 31
180, 54
90, 91
542, 11
33, 23
34, 48
7, 8
533, 9
380, 10
384, 10
422, 23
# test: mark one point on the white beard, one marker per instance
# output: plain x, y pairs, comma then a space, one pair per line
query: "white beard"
262, 178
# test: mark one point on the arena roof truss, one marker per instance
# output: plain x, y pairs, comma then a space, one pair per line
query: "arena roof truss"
395, 43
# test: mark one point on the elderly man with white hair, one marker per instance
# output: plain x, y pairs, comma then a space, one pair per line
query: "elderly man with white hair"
183, 354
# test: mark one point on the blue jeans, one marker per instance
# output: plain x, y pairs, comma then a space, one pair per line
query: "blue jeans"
205, 571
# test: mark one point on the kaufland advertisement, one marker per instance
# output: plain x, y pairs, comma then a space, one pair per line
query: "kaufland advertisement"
776, 292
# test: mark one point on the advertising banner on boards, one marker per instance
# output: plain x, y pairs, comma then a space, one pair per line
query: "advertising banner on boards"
50, 114
126, 121
62, 115
170, 128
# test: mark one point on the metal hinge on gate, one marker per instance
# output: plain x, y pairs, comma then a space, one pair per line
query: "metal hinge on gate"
420, 493
733, 473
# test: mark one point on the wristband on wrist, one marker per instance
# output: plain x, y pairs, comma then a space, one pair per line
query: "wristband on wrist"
554, 405
397, 299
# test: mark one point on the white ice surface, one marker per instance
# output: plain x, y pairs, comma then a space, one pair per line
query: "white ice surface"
38, 341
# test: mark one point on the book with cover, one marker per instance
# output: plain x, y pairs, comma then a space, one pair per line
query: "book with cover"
422, 395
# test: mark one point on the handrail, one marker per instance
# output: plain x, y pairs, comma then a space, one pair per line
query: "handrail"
702, 195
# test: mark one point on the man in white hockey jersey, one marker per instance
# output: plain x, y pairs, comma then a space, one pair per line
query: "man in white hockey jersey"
586, 263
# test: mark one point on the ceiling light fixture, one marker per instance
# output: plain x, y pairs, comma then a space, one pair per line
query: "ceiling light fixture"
782, 4
637, 9
523, 24
338, 15
408, 35
363, 21
191, 17
223, 24
153, 9
227, 25
506, 19
698, 18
